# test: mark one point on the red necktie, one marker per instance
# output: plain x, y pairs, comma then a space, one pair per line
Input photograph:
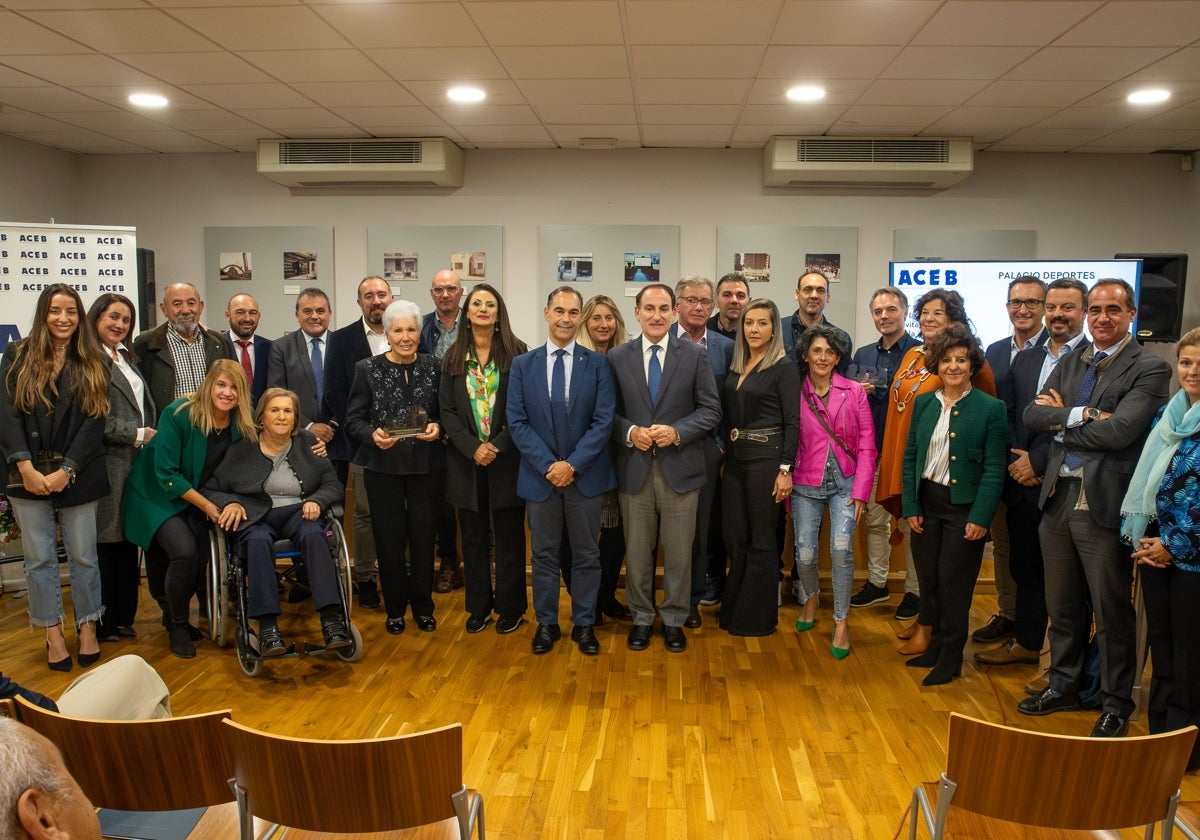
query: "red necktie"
246, 361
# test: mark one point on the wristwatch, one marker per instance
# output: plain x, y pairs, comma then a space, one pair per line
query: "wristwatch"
70, 471
1090, 414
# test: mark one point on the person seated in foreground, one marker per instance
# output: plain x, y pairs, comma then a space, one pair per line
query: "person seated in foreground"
39, 800
278, 487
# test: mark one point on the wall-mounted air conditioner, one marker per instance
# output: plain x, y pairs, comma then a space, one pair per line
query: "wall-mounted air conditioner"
900, 163
374, 162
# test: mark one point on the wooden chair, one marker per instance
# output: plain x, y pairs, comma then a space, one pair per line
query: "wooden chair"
997, 776
168, 764
8, 709
352, 787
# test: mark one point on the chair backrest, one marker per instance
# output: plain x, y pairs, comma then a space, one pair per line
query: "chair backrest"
141, 765
7, 708
1064, 781
348, 787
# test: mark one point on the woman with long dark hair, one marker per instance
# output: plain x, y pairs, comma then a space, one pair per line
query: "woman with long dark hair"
482, 461
128, 427
52, 407
164, 510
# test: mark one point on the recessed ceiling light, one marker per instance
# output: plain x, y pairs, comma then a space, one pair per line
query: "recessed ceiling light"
148, 100
1148, 96
806, 93
466, 94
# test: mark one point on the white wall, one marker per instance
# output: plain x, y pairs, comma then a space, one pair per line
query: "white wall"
1081, 206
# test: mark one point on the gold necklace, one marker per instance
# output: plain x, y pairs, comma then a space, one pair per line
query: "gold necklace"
910, 372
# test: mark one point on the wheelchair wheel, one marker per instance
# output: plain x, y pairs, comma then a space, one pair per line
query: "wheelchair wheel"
247, 652
353, 652
341, 559
221, 617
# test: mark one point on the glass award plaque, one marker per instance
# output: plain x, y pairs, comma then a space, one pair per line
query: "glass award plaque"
412, 424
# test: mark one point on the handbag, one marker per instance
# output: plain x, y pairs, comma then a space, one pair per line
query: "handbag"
47, 463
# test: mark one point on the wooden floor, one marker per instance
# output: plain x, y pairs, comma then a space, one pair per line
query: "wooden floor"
737, 737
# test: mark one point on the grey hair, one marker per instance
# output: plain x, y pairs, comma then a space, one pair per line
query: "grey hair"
25, 768
398, 309
694, 280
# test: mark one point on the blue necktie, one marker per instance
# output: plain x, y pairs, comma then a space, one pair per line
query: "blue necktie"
318, 367
1074, 459
654, 373
558, 402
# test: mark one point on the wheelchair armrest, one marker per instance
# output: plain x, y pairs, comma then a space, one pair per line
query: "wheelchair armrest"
336, 510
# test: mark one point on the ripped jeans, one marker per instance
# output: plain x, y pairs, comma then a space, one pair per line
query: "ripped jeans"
806, 520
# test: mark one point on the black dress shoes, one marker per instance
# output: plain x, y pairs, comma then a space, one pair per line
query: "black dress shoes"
585, 637
639, 636
426, 623
676, 641
478, 621
545, 636
1049, 702
335, 633
927, 659
693, 620
180, 641
1110, 726
395, 626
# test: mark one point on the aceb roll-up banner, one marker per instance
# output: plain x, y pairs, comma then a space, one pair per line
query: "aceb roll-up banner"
91, 259
984, 285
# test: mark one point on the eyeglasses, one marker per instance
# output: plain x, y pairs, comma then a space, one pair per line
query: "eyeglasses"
445, 290
695, 301
1030, 304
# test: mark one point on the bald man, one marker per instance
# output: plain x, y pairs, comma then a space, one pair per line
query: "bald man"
251, 349
39, 800
174, 357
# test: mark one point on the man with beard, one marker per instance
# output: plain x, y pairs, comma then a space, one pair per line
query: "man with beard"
812, 295
253, 351
347, 347
174, 357
733, 293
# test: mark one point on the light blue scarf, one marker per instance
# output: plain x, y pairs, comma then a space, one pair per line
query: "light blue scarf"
1180, 419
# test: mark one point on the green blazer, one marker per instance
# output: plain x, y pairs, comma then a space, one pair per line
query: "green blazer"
978, 456
165, 468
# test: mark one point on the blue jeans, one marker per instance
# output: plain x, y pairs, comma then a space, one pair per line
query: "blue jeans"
36, 519
806, 519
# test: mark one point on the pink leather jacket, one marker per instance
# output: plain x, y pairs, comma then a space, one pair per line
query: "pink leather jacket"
849, 416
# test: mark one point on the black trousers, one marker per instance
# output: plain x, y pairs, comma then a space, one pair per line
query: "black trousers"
1172, 596
509, 596
120, 581
707, 506
177, 561
947, 568
1028, 572
404, 512
749, 606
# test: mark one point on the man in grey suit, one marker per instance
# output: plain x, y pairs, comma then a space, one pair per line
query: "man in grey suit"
694, 298
296, 357
667, 405
1098, 403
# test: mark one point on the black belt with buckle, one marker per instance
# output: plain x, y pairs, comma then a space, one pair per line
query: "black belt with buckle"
763, 435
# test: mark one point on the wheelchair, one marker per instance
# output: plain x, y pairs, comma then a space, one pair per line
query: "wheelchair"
228, 595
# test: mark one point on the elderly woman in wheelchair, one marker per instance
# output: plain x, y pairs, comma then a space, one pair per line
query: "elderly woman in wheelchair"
278, 487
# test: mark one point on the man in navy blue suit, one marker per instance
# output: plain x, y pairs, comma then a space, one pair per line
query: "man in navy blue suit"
694, 300
560, 415
253, 351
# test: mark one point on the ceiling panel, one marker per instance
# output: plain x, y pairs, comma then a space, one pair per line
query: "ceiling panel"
1021, 74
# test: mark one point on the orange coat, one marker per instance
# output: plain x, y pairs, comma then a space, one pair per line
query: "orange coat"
912, 380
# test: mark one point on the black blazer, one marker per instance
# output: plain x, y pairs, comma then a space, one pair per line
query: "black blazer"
79, 438
240, 476
458, 422
262, 361
999, 354
158, 367
347, 347
1133, 388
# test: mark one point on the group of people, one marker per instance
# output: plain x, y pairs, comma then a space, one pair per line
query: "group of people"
687, 442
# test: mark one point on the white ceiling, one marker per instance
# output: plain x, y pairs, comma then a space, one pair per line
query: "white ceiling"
1017, 75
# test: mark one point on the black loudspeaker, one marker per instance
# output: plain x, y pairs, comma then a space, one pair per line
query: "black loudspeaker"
1160, 298
147, 297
